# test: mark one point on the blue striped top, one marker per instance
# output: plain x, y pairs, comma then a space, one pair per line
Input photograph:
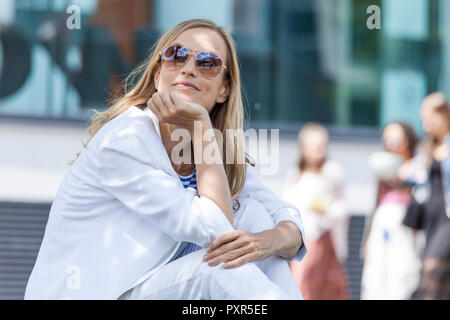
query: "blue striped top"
187, 247
190, 180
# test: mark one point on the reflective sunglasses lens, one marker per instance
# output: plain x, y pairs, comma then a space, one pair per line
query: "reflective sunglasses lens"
209, 64
175, 56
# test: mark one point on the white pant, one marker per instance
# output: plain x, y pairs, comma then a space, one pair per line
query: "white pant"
189, 277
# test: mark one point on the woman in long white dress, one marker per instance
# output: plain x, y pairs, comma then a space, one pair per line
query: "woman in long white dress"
390, 249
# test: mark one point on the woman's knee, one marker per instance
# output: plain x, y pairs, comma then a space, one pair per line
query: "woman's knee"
253, 216
238, 274
244, 282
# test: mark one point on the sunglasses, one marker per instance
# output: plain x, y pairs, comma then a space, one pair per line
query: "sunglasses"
207, 63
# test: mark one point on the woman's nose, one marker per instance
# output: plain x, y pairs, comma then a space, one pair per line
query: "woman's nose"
189, 67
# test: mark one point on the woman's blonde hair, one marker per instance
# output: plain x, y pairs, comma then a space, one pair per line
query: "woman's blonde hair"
227, 115
437, 103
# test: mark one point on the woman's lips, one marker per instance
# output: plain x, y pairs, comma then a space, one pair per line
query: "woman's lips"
185, 86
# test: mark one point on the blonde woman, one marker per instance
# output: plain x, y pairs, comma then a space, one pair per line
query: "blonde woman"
131, 221
316, 188
429, 209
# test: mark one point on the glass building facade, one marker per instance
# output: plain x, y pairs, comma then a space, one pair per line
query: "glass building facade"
309, 60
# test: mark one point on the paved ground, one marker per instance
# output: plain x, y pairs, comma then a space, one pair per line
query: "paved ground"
35, 157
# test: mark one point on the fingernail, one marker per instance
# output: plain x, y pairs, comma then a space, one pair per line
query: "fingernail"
205, 257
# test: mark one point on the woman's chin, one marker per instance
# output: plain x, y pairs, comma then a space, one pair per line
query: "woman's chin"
187, 95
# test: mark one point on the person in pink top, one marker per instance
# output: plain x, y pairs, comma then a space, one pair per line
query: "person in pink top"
390, 250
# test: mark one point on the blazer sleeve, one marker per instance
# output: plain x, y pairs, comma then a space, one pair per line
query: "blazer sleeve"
133, 170
278, 209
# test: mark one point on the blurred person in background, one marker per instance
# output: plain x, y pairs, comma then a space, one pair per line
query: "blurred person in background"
391, 250
430, 206
315, 187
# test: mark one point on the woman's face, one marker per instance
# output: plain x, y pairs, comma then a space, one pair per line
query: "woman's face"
433, 123
394, 139
196, 88
314, 148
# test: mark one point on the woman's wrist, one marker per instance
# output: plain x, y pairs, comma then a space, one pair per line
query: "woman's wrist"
287, 239
200, 124
276, 243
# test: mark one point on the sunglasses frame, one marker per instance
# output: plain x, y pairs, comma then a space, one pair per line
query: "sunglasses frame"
196, 54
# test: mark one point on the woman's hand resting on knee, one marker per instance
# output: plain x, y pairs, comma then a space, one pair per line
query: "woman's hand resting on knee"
239, 247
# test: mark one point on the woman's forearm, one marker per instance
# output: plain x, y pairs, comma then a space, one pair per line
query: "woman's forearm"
288, 239
212, 181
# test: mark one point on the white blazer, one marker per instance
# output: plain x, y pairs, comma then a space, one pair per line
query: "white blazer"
121, 212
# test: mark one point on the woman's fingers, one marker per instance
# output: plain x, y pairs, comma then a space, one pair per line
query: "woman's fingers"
175, 98
154, 108
250, 256
224, 238
175, 111
231, 256
156, 98
167, 100
229, 246
164, 105
239, 247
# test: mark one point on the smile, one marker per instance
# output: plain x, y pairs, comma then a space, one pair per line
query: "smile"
186, 86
